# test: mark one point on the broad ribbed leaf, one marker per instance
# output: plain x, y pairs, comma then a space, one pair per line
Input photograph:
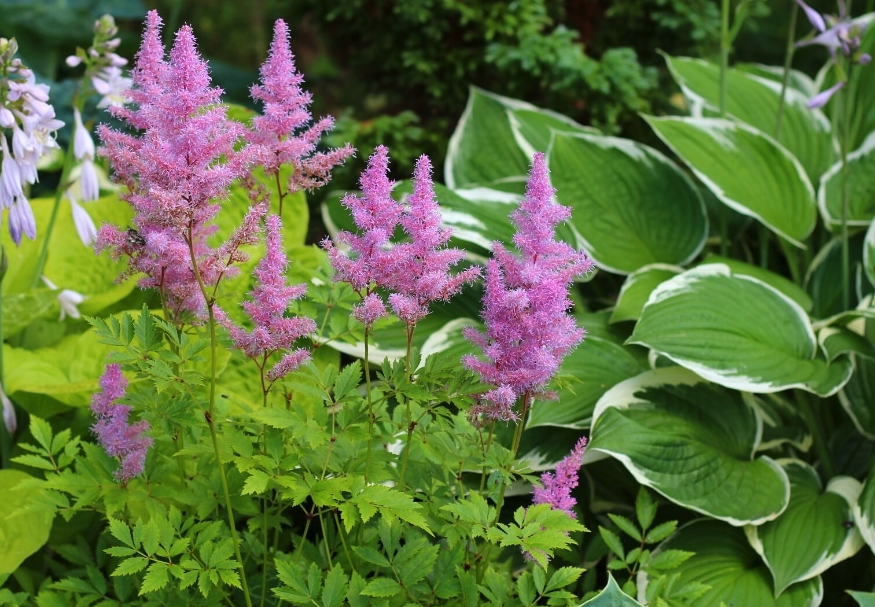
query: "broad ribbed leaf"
495, 139
761, 342
864, 510
784, 285
746, 170
693, 442
637, 288
860, 188
823, 279
858, 395
754, 100
592, 368
813, 533
632, 206
735, 573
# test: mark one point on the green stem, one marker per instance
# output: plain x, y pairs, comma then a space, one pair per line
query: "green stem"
844, 108
518, 435
211, 414
370, 405
59, 193
785, 77
816, 430
264, 544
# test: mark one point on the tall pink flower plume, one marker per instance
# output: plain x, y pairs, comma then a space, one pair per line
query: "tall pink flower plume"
525, 306
177, 167
557, 488
273, 331
279, 136
422, 272
126, 442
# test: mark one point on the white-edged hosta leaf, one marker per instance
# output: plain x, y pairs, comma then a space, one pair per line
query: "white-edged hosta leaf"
782, 423
593, 367
837, 341
807, 134
637, 288
813, 533
611, 596
746, 170
782, 284
632, 206
864, 510
693, 442
495, 139
858, 395
797, 80
860, 184
736, 331
724, 561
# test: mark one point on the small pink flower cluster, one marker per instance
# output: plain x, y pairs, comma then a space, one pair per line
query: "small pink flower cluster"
414, 273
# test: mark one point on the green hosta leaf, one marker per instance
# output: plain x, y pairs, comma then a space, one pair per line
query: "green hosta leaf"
632, 206
754, 100
611, 596
20, 309
811, 535
730, 158
637, 288
24, 526
860, 184
495, 139
858, 395
776, 281
763, 344
734, 573
593, 367
864, 599
694, 443
864, 510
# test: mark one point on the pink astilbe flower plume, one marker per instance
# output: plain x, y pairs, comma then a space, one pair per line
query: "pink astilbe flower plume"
126, 442
422, 271
273, 331
279, 136
177, 167
525, 304
557, 487
371, 258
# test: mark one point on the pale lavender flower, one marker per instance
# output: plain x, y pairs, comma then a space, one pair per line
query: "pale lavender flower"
128, 443
273, 331
525, 305
83, 151
68, 299
557, 488
103, 65
837, 33
8, 413
82, 221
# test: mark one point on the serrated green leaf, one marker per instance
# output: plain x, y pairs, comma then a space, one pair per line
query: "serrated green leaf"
42, 432
354, 591
539, 576
371, 555
347, 380
668, 559
382, 587
155, 579
660, 532
645, 508
626, 526
526, 588
131, 566
613, 542
122, 533
562, 577
335, 587
34, 461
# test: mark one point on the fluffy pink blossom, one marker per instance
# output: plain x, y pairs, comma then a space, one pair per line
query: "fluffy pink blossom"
525, 306
273, 331
557, 487
126, 442
280, 135
177, 166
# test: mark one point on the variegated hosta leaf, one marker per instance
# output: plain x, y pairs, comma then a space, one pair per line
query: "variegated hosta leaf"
611, 596
746, 170
637, 288
858, 395
755, 100
737, 331
632, 205
736, 575
864, 510
860, 187
815, 532
495, 140
692, 441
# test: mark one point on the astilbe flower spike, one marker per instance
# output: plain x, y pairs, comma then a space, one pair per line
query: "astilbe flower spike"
278, 136
176, 169
273, 331
557, 488
525, 304
422, 271
371, 258
126, 442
